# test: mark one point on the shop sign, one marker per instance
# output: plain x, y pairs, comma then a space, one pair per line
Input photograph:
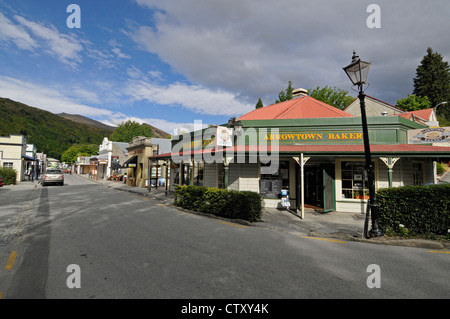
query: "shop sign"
337, 137
429, 135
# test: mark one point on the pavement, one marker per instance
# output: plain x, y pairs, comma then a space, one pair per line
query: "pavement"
331, 225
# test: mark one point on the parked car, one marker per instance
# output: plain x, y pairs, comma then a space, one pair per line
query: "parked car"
1, 181
53, 176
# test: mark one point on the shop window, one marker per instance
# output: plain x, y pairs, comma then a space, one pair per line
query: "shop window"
186, 174
176, 175
220, 175
354, 180
272, 184
198, 179
418, 173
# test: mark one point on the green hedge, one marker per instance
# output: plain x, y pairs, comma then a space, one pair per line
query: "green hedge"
415, 210
9, 176
221, 202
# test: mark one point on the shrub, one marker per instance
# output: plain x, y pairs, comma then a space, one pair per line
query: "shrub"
220, 202
9, 175
440, 169
415, 210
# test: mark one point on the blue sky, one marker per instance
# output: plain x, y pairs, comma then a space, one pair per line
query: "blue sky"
171, 62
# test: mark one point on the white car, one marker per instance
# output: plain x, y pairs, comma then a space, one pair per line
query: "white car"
53, 176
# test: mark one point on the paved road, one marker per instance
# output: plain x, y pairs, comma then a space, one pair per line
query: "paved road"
127, 246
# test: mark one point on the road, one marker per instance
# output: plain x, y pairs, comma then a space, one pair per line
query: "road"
128, 246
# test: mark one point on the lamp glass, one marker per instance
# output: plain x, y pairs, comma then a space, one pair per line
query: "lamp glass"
358, 72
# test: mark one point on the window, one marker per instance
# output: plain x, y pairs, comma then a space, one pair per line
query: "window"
417, 172
354, 180
8, 165
220, 175
198, 179
270, 185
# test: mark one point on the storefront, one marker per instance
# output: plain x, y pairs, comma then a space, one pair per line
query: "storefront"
318, 161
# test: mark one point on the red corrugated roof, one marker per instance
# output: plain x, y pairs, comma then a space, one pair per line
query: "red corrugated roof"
298, 108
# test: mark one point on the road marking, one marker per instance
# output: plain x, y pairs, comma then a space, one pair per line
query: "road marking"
230, 224
439, 252
146, 199
325, 239
11, 259
161, 205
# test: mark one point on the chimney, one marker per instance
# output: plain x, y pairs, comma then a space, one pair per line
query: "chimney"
299, 92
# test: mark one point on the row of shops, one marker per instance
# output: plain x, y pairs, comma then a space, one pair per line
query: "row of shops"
126, 162
305, 153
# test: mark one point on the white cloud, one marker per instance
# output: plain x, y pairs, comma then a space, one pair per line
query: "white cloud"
16, 34
49, 99
195, 98
65, 47
255, 47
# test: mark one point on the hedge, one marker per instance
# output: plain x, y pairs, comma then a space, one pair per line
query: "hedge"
9, 176
415, 210
244, 205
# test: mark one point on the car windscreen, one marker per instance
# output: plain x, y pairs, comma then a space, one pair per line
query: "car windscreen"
54, 171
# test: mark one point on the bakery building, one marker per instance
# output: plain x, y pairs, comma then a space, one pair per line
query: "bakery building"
305, 153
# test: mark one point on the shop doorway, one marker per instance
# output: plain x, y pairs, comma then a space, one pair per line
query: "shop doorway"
319, 193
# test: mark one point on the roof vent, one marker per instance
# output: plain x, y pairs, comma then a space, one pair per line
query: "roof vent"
299, 92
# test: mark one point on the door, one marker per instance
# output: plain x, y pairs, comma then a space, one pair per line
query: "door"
329, 202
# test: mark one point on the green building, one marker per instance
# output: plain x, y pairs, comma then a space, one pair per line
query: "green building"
307, 149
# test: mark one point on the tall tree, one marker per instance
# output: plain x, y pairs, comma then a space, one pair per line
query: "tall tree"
285, 95
259, 104
433, 79
332, 96
126, 131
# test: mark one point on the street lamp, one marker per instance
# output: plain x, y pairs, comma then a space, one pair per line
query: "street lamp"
435, 108
358, 72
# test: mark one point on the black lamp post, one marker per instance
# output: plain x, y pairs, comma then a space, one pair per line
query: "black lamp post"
358, 72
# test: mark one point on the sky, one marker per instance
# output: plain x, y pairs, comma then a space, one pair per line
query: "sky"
172, 62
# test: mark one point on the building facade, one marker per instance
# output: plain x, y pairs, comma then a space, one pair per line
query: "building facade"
308, 150
13, 154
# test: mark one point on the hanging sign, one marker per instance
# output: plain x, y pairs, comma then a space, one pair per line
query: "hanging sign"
224, 136
429, 135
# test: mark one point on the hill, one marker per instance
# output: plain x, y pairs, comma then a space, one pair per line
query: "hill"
50, 133
157, 133
85, 120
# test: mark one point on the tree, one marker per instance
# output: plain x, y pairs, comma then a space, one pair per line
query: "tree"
70, 155
259, 104
433, 79
414, 103
332, 96
130, 129
285, 95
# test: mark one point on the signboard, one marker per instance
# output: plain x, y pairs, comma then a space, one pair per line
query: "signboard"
224, 136
429, 135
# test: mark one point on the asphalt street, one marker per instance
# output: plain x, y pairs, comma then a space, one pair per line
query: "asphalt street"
128, 246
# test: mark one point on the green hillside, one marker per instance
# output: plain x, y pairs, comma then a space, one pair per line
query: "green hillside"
49, 132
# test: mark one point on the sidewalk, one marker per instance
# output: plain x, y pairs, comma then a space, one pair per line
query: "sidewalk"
334, 225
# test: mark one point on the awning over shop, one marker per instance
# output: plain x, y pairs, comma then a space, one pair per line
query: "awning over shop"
28, 158
131, 162
410, 150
